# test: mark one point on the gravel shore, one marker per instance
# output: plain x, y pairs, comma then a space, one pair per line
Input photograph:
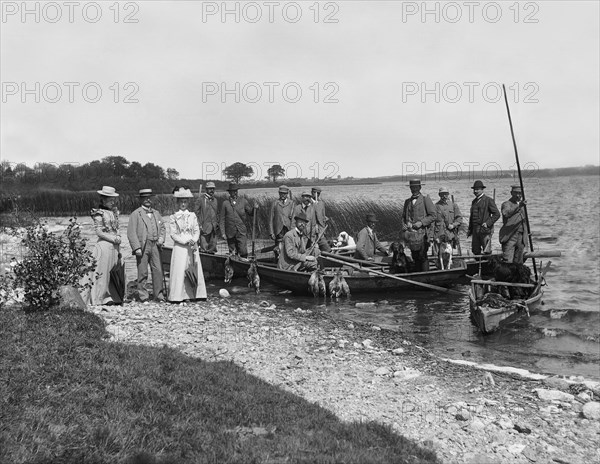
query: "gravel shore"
361, 372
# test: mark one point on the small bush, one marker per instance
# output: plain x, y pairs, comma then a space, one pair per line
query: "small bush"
52, 261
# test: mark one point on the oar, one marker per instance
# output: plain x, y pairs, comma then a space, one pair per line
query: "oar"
512, 133
526, 255
401, 279
349, 259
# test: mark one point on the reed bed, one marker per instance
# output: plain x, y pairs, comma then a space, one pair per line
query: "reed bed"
344, 215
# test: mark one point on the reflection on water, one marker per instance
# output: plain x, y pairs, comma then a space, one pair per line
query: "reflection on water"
562, 337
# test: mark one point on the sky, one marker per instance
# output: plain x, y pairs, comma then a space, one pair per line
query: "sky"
325, 89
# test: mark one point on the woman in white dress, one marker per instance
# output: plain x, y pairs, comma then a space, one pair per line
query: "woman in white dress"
106, 250
185, 260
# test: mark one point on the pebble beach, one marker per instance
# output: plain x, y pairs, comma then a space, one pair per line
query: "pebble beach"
466, 414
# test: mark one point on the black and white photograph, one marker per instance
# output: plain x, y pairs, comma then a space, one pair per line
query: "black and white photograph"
300, 231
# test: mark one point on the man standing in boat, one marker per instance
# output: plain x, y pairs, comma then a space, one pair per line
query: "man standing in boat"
280, 220
447, 222
320, 219
234, 212
295, 254
367, 243
417, 217
484, 213
208, 219
512, 233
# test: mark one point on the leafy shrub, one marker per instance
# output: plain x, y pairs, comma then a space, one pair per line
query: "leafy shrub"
52, 261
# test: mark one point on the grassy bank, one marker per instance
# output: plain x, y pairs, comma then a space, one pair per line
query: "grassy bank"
347, 215
70, 396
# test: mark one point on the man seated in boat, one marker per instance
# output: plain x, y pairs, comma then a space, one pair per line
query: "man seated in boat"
294, 254
367, 243
512, 233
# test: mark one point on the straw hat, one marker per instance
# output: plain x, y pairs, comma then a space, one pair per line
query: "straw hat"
183, 193
108, 191
210, 185
145, 193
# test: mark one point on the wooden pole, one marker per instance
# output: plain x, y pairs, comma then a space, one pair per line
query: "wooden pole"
512, 133
401, 279
456, 232
253, 230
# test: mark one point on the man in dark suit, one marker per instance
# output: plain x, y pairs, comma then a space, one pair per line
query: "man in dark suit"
417, 217
295, 254
146, 234
208, 219
367, 243
234, 212
484, 213
280, 219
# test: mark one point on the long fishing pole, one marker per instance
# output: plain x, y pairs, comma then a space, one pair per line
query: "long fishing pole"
512, 133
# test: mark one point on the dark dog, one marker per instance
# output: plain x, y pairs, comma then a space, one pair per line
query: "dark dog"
444, 257
513, 273
400, 262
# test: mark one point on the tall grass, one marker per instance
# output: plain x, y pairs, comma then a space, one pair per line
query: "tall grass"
344, 215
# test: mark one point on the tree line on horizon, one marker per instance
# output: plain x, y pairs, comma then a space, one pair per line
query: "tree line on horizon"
115, 171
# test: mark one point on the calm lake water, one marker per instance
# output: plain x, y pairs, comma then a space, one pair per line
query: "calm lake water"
563, 337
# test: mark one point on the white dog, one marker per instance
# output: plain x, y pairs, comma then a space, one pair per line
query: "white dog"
345, 242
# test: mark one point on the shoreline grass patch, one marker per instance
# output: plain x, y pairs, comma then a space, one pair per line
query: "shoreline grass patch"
68, 395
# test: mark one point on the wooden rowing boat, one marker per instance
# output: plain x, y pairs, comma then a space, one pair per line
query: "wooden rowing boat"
359, 281
213, 266
490, 310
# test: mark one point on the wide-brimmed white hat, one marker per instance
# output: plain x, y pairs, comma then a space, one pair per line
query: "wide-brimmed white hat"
183, 193
108, 191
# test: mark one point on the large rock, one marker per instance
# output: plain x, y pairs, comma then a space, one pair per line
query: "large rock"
591, 410
553, 395
70, 298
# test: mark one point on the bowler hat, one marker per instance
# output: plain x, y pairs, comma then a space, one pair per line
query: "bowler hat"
233, 187
415, 183
444, 190
317, 189
283, 189
210, 185
301, 216
371, 218
516, 188
306, 194
146, 193
478, 185
108, 191
183, 193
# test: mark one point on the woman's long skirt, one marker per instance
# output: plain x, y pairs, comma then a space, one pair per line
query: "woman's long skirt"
106, 255
180, 285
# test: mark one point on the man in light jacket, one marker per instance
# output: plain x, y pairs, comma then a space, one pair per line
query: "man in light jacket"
295, 254
280, 219
512, 233
146, 234
367, 243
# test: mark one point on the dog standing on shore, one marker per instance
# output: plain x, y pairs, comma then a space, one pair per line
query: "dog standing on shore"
444, 252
